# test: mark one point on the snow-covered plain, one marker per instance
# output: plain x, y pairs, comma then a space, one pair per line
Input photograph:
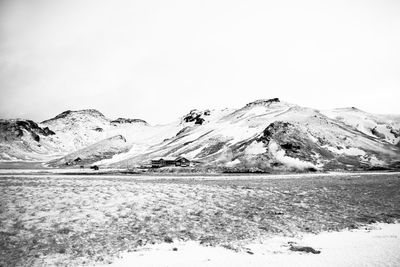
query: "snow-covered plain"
375, 245
55, 219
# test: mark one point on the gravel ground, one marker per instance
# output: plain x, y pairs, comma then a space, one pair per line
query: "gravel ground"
80, 220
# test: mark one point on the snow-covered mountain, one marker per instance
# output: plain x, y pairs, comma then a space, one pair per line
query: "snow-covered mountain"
71, 131
382, 126
262, 135
26, 140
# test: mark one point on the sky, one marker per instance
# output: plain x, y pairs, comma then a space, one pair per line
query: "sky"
156, 59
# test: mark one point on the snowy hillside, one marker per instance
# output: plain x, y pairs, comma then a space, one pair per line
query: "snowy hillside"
269, 134
25, 140
382, 126
71, 131
101, 150
262, 135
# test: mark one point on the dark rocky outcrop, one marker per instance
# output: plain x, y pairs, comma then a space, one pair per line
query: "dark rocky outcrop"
290, 146
183, 130
47, 131
294, 141
196, 116
212, 148
304, 249
375, 132
199, 121
14, 129
395, 132
262, 102
35, 137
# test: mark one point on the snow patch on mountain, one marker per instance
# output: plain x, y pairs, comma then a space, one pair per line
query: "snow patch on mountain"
351, 151
255, 148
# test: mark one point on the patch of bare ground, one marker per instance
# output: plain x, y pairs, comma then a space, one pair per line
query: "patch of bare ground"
81, 220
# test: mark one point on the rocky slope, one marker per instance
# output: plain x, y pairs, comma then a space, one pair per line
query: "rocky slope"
261, 136
24, 139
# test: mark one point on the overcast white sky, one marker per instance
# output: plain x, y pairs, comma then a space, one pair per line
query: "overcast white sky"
157, 59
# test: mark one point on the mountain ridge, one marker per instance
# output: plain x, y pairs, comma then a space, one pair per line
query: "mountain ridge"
264, 134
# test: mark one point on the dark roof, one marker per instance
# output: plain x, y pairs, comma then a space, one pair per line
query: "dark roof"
169, 158
164, 158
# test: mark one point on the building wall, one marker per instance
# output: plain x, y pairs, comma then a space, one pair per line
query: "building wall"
163, 163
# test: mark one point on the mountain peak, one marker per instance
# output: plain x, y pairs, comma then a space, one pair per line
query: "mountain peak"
92, 112
262, 102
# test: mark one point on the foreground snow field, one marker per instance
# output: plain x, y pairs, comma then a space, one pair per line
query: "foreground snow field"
54, 219
376, 245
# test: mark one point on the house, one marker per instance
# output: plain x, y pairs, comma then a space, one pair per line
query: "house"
162, 162
181, 161
168, 161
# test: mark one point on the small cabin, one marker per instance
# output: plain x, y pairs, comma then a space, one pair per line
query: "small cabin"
162, 162
182, 162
